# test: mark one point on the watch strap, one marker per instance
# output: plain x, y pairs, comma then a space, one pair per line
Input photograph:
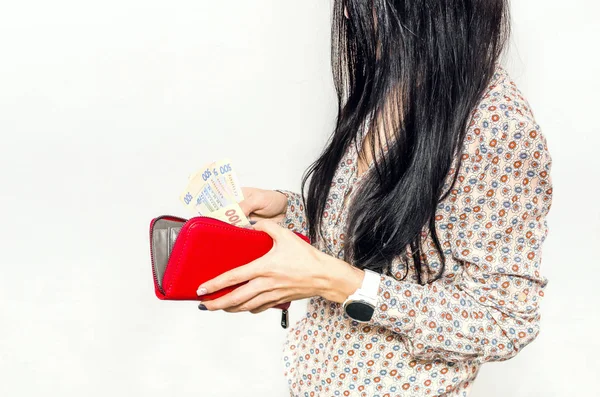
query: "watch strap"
369, 288
370, 285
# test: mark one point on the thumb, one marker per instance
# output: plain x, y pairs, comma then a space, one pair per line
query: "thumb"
249, 205
269, 227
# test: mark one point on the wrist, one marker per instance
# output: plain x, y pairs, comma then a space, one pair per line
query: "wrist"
340, 280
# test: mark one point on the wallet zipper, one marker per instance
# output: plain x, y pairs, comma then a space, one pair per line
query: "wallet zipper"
284, 312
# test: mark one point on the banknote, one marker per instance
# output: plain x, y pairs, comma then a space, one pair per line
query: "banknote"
214, 191
225, 172
188, 197
207, 200
221, 190
231, 214
225, 178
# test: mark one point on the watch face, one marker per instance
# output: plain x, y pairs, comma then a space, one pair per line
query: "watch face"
360, 311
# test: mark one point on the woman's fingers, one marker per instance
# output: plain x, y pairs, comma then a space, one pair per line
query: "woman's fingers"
261, 300
270, 227
250, 204
241, 294
261, 204
264, 307
269, 305
256, 218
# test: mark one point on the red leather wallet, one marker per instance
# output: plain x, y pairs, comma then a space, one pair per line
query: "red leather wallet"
185, 253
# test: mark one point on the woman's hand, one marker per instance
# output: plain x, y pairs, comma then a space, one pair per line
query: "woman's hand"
263, 204
291, 270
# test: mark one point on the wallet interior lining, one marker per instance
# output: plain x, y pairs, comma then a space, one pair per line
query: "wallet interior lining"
164, 234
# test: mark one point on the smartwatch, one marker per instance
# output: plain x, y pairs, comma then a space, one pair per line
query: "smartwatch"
360, 306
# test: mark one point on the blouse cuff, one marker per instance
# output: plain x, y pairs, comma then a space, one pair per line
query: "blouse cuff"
295, 217
407, 309
397, 305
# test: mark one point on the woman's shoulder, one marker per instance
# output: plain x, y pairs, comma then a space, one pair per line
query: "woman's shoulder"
503, 118
503, 97
503, 139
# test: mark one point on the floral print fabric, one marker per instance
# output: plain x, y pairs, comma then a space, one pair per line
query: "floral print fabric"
430, 340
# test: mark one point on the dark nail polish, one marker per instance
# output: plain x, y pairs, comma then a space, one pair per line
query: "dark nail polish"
202, 307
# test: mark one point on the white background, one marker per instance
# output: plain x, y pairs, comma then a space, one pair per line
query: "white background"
107, 107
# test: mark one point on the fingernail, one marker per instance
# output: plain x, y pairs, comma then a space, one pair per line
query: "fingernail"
202, 307
201, 291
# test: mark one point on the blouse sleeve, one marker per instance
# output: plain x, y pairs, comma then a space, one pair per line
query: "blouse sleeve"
492, 226
295, 217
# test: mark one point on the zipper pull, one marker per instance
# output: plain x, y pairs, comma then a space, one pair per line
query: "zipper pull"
284, 318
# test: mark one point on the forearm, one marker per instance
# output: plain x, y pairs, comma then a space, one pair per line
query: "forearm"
463, 328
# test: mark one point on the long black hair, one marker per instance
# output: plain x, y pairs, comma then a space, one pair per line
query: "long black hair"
416, 69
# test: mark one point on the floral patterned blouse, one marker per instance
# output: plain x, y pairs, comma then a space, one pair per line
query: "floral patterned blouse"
430, 340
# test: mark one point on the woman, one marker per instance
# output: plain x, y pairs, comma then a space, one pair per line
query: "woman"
426, 211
